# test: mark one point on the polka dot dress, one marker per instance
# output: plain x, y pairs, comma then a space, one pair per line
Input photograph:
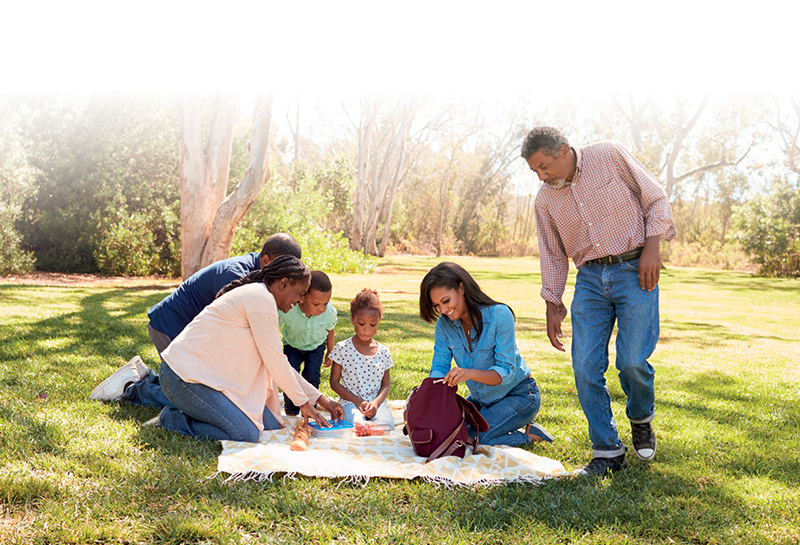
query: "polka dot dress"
361, 374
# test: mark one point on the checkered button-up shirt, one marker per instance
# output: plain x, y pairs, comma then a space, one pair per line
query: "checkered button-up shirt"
612, 204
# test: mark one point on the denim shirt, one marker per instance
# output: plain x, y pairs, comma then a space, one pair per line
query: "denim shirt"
495, 350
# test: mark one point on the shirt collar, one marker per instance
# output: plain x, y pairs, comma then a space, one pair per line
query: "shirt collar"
577, 172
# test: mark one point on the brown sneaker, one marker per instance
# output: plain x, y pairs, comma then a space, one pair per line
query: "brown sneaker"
644, 440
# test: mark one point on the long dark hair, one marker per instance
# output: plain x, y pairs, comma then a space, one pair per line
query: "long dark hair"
450, 276
284, 266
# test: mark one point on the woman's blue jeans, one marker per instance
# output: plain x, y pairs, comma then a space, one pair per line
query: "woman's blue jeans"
206, 413
605, 294
507, 415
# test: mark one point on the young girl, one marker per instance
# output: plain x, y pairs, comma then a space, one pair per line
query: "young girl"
360, 371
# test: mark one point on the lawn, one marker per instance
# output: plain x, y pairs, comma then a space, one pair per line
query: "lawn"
728, 424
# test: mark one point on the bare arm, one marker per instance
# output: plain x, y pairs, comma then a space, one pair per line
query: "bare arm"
329, 348
457, 375
386, 385
338, 387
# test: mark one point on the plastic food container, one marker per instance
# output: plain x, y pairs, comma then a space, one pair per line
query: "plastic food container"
372, 429
339, 428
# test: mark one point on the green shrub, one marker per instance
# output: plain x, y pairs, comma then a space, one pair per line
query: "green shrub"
770, 232
279, 208
13, 260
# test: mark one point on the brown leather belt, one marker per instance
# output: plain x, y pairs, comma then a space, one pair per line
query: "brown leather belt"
610, 259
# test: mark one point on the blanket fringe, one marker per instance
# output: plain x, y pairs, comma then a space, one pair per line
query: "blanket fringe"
363, 480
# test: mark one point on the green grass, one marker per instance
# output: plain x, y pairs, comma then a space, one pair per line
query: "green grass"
728, 423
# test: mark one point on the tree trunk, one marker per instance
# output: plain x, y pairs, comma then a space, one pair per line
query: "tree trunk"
208, 218
366, 129
388, 179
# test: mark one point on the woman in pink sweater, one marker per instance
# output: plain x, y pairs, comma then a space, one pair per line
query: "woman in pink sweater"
223, 371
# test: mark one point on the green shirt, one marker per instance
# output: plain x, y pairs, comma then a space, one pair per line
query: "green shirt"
304, 333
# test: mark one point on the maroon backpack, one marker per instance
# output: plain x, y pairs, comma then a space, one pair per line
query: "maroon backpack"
436, 419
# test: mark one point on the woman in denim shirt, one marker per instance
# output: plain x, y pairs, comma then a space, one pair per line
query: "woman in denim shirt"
478, 333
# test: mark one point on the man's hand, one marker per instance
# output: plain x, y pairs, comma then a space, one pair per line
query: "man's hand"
554, 326
650, 264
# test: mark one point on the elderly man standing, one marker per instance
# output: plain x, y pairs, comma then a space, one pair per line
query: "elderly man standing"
601, 207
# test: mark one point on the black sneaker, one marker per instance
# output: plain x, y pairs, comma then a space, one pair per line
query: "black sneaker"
601, 466
644, 440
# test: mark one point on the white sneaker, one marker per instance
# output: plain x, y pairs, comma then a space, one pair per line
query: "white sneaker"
141, 368
114, 386
153, 421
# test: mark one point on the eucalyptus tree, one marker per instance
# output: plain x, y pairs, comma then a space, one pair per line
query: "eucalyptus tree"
210, 215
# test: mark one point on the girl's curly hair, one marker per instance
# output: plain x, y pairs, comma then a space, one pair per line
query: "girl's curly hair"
366, 299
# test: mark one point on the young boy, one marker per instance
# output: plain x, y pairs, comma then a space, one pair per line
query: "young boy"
308, 332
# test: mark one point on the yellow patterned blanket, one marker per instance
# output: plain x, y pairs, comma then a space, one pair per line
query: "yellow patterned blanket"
391, 456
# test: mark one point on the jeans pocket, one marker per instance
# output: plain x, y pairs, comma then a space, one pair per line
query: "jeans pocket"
631, 265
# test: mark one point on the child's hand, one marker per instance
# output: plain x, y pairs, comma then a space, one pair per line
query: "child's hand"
328, 361
370, 409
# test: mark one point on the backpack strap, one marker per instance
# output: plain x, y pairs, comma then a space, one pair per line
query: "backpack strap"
474, 442
448, 445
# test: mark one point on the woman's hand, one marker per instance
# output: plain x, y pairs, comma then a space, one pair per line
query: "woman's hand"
457, 375
337, 413
308, 411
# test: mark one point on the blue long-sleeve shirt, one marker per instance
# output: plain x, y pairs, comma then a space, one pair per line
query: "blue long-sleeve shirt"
176, 310
495, 350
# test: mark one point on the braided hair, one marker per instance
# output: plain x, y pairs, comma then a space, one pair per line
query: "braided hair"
284, 266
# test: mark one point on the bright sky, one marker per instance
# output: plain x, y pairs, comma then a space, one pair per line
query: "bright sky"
573, 47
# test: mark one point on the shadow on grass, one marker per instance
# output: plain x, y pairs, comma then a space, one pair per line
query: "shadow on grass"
107, 328
638, 501
739, 282
704, 335
767, 427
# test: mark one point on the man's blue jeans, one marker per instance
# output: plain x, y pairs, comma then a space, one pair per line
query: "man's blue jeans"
205, 413
311, 369
605, 294
506, 416
146, 391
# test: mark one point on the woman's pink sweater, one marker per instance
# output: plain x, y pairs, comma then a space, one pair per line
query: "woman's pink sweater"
234, 346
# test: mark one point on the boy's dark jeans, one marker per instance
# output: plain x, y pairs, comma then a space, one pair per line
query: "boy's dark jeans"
311, 369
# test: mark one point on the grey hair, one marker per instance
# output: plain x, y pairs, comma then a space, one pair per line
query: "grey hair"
548, 140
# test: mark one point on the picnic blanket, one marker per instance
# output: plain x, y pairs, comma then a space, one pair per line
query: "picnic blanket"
390, 456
